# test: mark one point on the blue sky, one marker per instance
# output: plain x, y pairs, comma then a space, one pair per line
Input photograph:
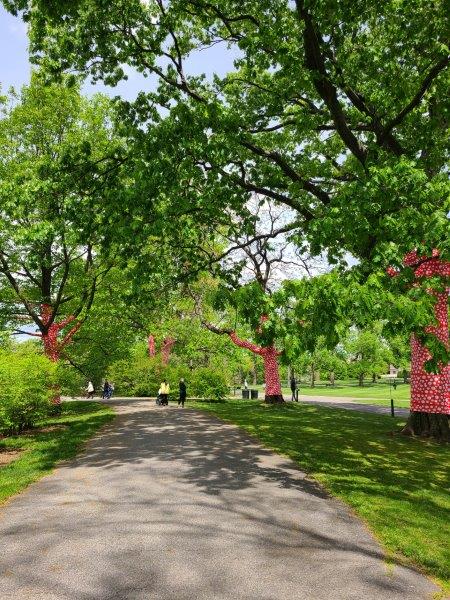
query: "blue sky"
15, 67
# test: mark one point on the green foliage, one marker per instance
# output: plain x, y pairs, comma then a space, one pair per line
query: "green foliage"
137, 376
353, 139
142, 376
208, 383
70, 381
59, 161
368, 353
25, 389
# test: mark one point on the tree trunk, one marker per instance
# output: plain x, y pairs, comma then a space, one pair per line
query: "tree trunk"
332, 378
430, 392
255, 373
374, 377
272, 376
433, 425
151, 346
313, 375
52, 352
166, 350
361, 380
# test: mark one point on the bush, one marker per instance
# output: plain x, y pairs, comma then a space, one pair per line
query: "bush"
139, 376
26, 380
142, 376
70, 381
208, 383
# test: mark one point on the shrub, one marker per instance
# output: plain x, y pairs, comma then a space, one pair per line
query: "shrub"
142, 376
71, 381
139, 376
26, 380
208, 383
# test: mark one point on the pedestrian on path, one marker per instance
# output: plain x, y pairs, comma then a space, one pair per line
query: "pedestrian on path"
106, 390
90, 389
182, 397
294, 389
164, 392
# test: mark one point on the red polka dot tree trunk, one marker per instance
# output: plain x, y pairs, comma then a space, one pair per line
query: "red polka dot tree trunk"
52, 345
430, 392
166, 350
270, 356
151, 346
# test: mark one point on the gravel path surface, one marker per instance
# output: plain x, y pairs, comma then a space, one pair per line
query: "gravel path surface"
172, 504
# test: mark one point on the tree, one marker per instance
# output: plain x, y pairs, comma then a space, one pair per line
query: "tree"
58, 163
337, 138
368, 353
337, 110
262, 257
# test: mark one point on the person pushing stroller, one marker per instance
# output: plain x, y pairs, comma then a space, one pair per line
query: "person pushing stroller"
163, 394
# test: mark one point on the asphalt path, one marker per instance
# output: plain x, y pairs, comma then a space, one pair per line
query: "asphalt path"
350, 404
170, 503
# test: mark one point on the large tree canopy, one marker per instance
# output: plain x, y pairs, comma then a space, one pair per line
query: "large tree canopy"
335, 109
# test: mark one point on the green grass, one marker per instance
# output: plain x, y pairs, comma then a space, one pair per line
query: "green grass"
369, 394
43, 450
398, 485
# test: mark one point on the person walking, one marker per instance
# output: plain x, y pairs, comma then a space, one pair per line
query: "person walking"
165, 390
182, 398
294, 389
90, 389
106, 389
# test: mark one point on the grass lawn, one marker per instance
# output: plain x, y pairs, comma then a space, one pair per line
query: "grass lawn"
369, 394
42, 450
398, 485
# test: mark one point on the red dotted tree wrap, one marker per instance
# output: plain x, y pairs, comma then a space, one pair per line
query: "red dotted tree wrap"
52, 346
430, 393
166, 349
271, 368
151, 346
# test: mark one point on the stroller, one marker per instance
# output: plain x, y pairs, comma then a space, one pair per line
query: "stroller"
161, 401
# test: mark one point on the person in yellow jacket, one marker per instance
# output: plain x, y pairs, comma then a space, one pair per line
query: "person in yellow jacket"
164, 391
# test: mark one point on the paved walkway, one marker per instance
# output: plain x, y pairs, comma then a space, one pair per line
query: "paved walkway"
350, 404
172, 504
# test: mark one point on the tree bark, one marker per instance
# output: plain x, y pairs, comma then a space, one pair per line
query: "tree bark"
313, 375
166, 349
52, 346
361, 380
269, 354
151, 346
272, 376
430, 392
434, 425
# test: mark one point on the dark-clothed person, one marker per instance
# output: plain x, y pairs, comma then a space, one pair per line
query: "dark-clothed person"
294, 389
182, 397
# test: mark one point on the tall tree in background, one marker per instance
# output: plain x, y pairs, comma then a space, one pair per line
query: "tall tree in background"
58, 162
264, 257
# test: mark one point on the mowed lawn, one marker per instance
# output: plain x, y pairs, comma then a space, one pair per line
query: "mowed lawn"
398, 485
55, 439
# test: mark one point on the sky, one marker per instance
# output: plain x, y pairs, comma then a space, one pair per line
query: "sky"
15, 68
